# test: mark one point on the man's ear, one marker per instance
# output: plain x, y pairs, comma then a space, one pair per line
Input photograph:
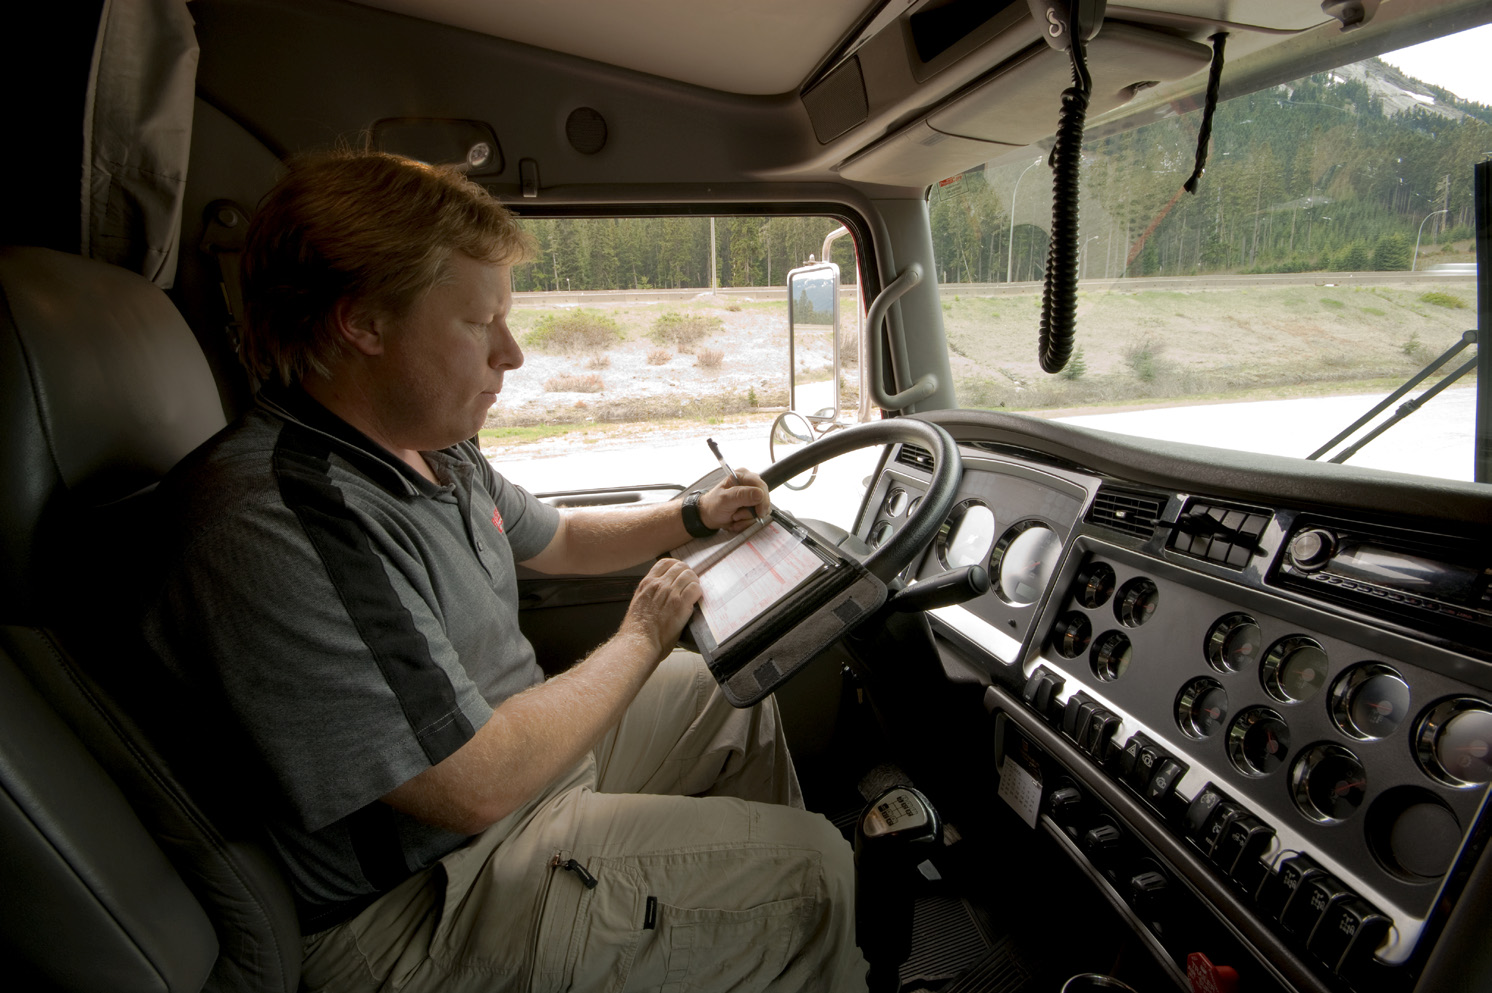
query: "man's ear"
359, 326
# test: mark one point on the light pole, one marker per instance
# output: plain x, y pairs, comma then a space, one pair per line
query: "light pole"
1083, 252
1010, 248
1415, 261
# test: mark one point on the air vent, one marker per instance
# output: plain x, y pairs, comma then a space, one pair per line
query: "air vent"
914, 456
1127, 511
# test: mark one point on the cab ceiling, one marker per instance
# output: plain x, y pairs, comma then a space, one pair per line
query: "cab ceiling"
758, 47
761, 47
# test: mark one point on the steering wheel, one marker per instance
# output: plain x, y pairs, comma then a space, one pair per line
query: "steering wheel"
890, 558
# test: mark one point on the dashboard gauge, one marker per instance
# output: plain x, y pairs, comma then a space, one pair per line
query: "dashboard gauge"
1095, 584
1202, 707
1024, 562
1233, 643
1328, 783
967, 536
1136, 602
1294, 669
1258, 741
896, 502
1072, 634
1369, 701
1110, 656
879, 534
912, 507
1454, 742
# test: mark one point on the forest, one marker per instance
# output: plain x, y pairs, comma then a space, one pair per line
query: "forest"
1316, 175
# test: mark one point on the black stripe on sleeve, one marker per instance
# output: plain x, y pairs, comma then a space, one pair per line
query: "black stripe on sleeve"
423, 689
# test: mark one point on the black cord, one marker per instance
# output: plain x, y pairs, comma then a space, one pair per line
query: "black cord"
1059, 298
1204, 134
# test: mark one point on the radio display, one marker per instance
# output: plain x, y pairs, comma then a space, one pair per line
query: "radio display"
1397, 570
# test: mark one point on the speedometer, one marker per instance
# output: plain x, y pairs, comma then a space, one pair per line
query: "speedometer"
1024, 561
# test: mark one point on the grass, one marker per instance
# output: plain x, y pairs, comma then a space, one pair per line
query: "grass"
1438, 299
684, 332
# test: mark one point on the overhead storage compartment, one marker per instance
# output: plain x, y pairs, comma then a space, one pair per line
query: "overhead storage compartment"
1018, 102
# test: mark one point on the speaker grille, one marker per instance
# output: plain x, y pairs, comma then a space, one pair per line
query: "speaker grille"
837, 103
586, 130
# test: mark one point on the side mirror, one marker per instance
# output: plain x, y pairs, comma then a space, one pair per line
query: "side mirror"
812, 312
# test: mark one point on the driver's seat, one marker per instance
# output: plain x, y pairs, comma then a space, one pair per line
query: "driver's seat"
126, 862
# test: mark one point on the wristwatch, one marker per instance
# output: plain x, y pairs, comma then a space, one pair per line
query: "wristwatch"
693, 523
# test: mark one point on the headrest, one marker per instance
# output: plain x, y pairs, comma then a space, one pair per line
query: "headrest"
103, 388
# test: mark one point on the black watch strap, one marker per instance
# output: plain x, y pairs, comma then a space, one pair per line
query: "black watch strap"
693, 523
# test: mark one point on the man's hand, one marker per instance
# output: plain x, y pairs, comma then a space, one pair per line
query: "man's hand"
661, 605
727, 505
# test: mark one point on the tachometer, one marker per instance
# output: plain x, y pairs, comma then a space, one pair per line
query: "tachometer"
967, 535
1024, 561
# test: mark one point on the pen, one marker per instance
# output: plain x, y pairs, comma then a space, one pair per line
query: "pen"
714, 448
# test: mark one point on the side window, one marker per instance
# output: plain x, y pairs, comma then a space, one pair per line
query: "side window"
644, 336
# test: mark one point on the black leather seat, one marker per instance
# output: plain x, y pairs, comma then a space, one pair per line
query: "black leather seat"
125, 860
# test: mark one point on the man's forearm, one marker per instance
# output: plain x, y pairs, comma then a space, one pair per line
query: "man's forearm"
530, 739
596, 540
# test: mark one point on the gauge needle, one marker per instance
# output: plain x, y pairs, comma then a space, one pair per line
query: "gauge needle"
1345, 787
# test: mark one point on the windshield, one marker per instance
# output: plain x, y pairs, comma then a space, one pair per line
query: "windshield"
1327, 256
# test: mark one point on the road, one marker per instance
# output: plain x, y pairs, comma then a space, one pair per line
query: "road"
1435, 441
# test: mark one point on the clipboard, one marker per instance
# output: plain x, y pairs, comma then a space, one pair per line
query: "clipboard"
775, 597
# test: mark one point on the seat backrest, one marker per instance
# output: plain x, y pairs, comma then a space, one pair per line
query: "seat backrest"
102, 389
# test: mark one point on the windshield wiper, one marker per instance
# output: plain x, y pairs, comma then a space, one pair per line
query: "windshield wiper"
1407, 407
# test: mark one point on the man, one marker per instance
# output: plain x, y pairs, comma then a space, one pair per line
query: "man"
343, 584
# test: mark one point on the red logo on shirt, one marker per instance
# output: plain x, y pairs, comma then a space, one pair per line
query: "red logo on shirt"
497, 521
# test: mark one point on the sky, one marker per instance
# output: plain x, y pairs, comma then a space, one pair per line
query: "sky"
1457, 62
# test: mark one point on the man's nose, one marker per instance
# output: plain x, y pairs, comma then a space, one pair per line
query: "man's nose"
505, 352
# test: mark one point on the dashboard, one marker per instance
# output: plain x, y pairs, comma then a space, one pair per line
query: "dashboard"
1253, 699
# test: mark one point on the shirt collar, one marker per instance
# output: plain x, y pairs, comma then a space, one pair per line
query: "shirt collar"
293, 403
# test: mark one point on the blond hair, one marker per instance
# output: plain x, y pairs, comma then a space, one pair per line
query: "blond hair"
369, 227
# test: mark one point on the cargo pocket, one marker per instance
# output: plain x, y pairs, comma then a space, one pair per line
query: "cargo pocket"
640, 925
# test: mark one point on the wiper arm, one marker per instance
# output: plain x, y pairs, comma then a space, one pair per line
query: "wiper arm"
1406, 408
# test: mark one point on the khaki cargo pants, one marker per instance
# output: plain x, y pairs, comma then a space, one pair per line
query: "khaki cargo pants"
707, 874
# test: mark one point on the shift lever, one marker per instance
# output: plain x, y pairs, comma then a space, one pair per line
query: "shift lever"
897, 830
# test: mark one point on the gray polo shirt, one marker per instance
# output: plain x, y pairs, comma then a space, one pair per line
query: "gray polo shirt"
359, 623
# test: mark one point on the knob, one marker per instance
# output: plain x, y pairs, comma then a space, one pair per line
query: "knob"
1063, 803
1311, 549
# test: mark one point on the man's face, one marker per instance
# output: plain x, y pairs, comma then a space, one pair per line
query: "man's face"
443, 364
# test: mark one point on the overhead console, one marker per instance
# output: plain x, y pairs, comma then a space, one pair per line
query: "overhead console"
1263, 731
929, 77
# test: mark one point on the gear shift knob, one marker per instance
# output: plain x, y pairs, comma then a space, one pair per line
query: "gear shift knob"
898, 829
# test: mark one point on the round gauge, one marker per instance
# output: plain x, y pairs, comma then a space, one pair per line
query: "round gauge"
1294, 669
1454, 742
1202, 707
1233, 643
1328, 783
1024, 562
1258, 741
912, 507
1369, 701
1095, 584
896, 502
1110, 655
1136, 602
1071, 634
879, 534
967, 535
